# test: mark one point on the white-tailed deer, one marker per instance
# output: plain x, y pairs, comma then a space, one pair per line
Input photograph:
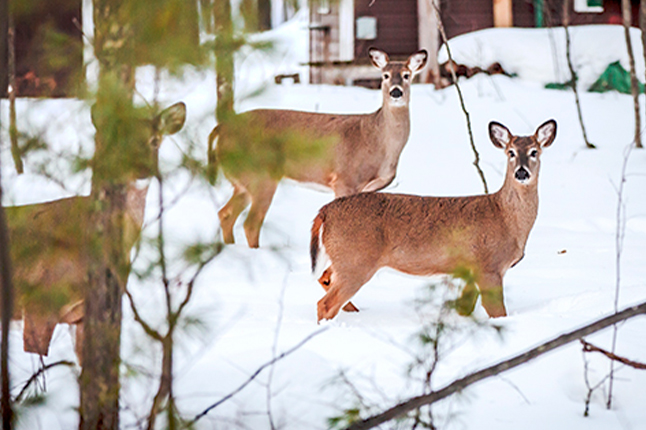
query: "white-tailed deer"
484, 234
49, 243
347, 153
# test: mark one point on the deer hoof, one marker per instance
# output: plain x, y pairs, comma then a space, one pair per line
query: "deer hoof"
349, 307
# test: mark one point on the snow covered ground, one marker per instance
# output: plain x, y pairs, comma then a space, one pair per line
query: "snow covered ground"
255, 304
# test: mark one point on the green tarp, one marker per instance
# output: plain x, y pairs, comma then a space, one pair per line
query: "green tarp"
614, 77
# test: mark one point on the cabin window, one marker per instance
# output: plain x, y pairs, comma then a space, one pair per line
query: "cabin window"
588, 6
366, 28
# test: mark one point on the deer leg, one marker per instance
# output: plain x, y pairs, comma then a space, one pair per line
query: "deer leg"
37, 332
465, 304
492, 297
261, 195
325, 280
73, 315
342, 287
78, 347
231, 211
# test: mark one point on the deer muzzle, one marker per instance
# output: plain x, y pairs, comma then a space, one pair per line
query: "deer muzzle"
396, 93
522, 174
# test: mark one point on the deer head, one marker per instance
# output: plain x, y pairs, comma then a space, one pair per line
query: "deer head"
397, 76
523, 152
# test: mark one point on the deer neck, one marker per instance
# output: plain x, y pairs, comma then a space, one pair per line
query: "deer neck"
519, 206
392, 123
136, 192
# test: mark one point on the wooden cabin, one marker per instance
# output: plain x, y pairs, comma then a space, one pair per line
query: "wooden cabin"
341, 31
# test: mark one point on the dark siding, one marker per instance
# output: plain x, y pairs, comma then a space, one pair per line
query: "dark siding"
396, 27
611, 14
465, 16
523, 11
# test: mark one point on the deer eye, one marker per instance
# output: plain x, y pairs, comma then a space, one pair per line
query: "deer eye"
406, 76
533, 153
386, 76
512, 154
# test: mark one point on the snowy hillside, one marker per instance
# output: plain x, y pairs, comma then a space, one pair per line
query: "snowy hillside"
258, 303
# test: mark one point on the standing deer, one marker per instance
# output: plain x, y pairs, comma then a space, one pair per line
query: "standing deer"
485, 234
347, 153
49, 243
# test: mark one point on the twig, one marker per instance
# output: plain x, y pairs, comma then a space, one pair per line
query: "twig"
147, 328
591, 389
476, 161
480, 375
255, 375
35, 376
566, 22
619, 245
588, 347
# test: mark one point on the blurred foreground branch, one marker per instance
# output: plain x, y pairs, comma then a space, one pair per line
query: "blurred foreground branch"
472, 378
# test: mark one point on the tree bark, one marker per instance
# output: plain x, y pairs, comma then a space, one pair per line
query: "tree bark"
13, 128
497, 369
626, 9
224, 68
99, 381
5, 262
642, 26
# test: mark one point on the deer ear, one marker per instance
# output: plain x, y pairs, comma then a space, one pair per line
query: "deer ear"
378, 57
499, 134
546, 133
172, 118
417, 61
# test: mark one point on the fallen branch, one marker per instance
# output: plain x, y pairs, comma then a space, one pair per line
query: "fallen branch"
496, 369
588, 347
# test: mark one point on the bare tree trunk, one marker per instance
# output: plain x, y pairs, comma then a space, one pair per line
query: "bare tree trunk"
99, 381
626, 7
429, 39
5, 262
224, 71
497, 369
566, 22
224, 50
13, 129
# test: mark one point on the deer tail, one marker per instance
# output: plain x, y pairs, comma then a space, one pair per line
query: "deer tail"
316, 239
212, 166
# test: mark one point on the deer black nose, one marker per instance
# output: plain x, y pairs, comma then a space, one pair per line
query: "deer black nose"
522, 174
396, 93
